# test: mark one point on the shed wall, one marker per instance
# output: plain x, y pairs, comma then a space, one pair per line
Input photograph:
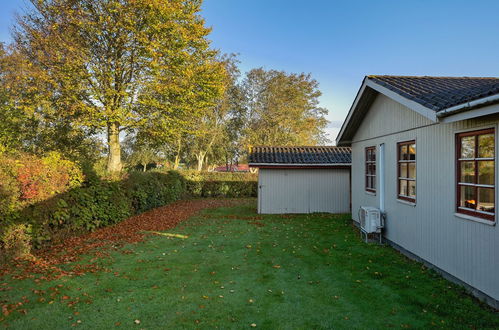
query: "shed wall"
303, 191
466, 249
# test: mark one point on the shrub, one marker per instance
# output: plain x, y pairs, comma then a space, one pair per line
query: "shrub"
99, 204
27, 179
220, 184
16, 240
153, 189
45, 199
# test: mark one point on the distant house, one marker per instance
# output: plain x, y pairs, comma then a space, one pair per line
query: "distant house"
424, 151
302, 179
232, 168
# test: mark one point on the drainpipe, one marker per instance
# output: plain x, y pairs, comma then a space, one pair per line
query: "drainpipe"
382, 177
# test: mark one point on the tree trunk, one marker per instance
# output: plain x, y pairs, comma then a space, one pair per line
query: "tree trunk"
200, 158
145, 167
114, 148
177, 156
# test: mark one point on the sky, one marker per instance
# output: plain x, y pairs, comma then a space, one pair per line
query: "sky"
339, 42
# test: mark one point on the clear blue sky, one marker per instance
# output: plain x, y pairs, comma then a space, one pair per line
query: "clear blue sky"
339, 42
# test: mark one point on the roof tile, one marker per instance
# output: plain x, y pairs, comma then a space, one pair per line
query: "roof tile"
307, 155
439, 93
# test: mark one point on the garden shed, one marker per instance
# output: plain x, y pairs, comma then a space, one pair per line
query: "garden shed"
302, 179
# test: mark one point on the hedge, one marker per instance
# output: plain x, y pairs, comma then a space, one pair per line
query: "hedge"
52, 201
220, 184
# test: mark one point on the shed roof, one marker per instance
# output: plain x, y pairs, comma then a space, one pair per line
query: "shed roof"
299, 156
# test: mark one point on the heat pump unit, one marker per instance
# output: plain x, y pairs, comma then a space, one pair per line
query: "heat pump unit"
370, 220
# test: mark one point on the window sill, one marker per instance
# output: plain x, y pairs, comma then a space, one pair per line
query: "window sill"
475, 219
413, 204
372, 193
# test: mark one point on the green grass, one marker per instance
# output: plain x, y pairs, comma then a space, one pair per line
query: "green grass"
234, 270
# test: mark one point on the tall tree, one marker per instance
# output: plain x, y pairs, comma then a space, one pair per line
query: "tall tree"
213, 127
35, 129
120, 64
282, 109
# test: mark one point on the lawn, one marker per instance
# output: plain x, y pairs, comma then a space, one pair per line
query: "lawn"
240, 270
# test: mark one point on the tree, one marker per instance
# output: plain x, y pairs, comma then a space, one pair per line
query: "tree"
282, 109
9, 120
39, 129
139, 152
213, 127
120, 64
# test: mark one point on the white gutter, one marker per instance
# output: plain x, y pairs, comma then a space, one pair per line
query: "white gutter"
298, 164
468, 105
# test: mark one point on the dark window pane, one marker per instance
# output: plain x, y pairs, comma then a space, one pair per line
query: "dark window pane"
467, 172
486, 172
486, 145
468, 147
403, 187
412, 151
468, 198
403, 170
368, 154
486, 200
412, 170
373, 182
373, 155
412, 189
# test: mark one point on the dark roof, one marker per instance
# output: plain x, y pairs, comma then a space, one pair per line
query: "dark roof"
300, 155
438, 93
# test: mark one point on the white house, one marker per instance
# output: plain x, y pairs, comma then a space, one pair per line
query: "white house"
302, 179
424, 151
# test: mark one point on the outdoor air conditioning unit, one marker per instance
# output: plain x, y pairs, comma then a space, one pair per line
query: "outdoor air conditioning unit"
371, 220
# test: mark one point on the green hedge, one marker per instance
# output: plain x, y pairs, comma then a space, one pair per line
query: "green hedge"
102, 203
96, 205
220, 184
153, 189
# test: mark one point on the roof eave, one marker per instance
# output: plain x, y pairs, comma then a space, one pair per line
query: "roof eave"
419, 108
480, 107
340, 138
424, 111
299, 165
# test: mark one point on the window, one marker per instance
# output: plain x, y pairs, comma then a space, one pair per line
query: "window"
371, 169
406, 164
476, 173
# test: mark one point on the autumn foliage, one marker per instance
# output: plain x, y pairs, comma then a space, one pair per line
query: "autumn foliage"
46, 200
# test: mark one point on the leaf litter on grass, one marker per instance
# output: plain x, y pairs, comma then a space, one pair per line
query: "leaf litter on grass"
64, 259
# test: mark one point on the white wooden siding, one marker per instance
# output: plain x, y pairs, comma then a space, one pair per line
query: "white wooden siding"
303, 191
387, 116
466, 249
